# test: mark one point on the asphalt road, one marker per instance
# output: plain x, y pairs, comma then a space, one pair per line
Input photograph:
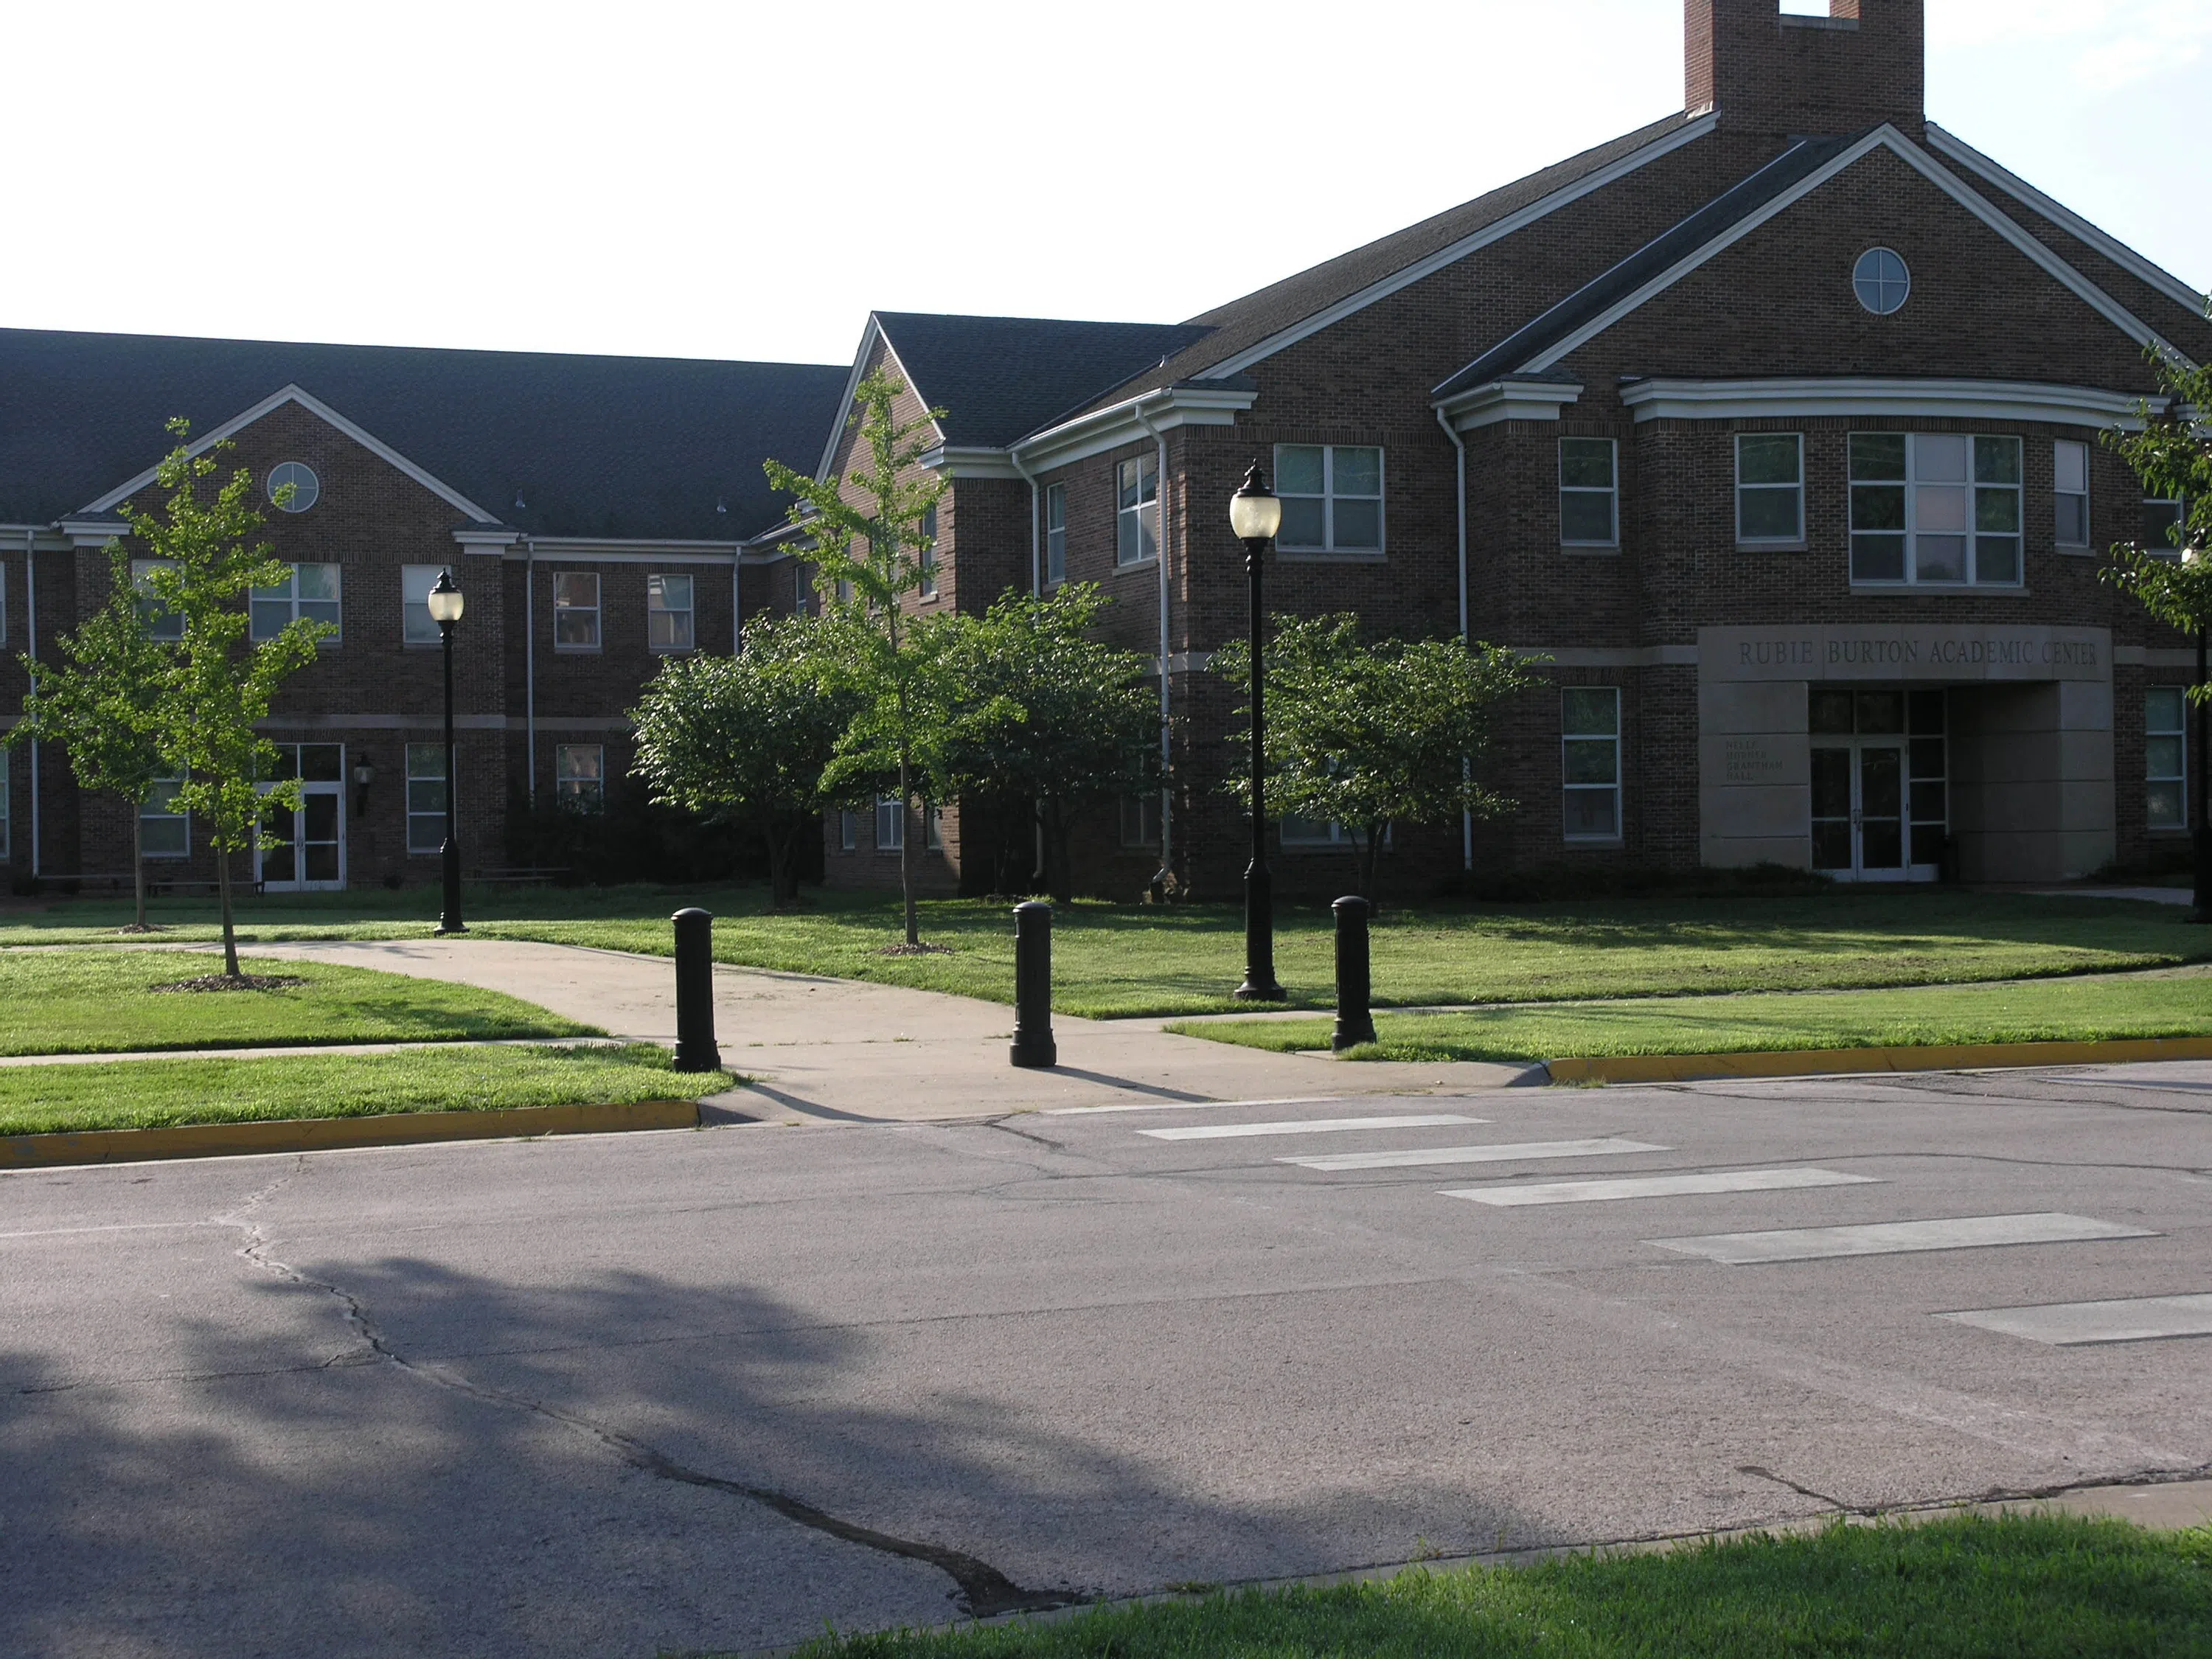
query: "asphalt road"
708, 1390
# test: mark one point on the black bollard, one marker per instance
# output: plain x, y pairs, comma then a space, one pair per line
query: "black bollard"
1355, 1023
694, 993
1033, 1043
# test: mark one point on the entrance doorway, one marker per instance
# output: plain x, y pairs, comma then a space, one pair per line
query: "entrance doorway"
304, 851
1879, 770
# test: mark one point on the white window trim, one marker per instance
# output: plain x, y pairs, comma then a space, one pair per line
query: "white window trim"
407, 801
1772, 543
1616, 788
848, 830
7, 822
1145, 463
689, 612
2180, 777
595, 610
2160, 548
1055, 534
1611, 492
1145, 809
574, 788
925, 559
156, 614
2058, 496
436, 637
336, 636
896, 808
1328, 549
1911, 484
186, 818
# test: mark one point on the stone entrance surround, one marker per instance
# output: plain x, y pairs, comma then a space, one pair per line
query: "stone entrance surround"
2031, 730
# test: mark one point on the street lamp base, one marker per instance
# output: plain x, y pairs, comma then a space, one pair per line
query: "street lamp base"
1249, 991
443, 931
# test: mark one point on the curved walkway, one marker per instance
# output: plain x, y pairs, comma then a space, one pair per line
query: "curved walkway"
834, 1048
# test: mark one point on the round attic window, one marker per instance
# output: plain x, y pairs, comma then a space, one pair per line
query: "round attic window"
306, 487
1881, 281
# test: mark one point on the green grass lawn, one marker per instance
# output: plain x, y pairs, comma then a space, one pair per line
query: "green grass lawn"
1134, 959
2039, 1011
2025, 1587
55, 1002
155, 1094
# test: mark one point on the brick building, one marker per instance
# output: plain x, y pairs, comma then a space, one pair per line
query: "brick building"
1770, 428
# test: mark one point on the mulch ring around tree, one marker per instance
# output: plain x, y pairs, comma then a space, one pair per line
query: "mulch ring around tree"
233, 982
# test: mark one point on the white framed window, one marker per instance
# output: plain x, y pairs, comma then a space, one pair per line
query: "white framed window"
1141, 820
933, 828
575, 610
1882, 281
1590, 761
1332, 497
426, 797
1590, 493
417, 625
849, 831
305, 487
163, 831
925, 555
6, 823
1312, 832
1934, 509
1770, 488
890, 824
1055, 534
2069, 493
3, 601
309, 590
2162, 519
2165, 758
580, 777
161, 623
668, 613
1137, 510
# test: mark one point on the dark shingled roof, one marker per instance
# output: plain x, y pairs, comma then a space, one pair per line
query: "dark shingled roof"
1001, 378
1731, 207
617, 447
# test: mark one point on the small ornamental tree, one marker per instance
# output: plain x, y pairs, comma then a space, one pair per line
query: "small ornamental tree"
869, 554
103, 704
2171, 454
746, 739
1036, 709
1372, 736
221, 684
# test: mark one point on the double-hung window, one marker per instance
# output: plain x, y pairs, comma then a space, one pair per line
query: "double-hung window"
668, 613
1332, 497
426, 797
1141, 820
1590, 493
580, 777
1590, 761
1055, 534
575, 610
2069, 493
1137, 510
2162, 521
925, 555
161, 623
1770, 488
308, 591
890, 824
1934, 509
2165, 758
417, 625
164, 830
848, 830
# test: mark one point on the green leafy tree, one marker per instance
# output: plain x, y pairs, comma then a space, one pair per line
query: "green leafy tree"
747, 739
220, 683
869, 554
2171, 454
1035, 709
103, 704
1372, 736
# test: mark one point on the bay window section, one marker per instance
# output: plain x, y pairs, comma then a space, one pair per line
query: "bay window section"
1332, 497
1934, 509
1590, 495
1770, 488
2069, 488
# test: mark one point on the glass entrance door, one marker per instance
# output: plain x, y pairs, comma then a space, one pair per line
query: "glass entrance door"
304, 851
1878, 793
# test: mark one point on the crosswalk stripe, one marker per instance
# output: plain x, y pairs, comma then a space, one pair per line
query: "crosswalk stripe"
1180, 1105
1511, 1153
1316, 1125
1964, 1232
1666, 1186
2068, 1324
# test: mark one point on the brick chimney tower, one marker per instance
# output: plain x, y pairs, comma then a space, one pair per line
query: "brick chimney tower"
1771, 74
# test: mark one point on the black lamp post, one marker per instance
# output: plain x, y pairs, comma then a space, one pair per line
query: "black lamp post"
446, 610
1256, 514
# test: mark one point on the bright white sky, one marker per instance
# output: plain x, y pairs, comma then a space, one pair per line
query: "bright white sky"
698, 179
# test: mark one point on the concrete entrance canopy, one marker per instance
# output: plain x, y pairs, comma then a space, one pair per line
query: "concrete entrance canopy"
2030, 734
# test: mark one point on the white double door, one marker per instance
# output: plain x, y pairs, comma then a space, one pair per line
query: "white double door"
303, 851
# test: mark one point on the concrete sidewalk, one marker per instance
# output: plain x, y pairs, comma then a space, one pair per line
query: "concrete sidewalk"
834, 1048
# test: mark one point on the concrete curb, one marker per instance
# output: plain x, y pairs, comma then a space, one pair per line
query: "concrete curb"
1826, 1062
317, 1134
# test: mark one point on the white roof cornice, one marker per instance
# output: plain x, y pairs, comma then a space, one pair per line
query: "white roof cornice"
321, 410
1508, 399
1140, 418
1815, 398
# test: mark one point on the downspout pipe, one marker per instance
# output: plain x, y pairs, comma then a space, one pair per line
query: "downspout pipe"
1037, 540
31, 638
1167, 731
529, 665
1459, 505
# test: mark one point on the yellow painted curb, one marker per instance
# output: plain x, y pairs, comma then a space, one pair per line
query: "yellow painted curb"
317, 1134
1816, 1062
